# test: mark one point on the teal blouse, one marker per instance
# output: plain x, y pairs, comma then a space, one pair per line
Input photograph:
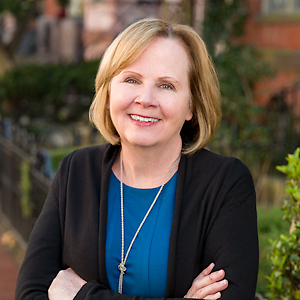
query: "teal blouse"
147, 263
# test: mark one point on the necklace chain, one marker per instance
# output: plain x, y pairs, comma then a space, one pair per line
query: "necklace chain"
121, 266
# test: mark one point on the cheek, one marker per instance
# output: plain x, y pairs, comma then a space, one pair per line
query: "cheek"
177, 113
119, 96
114, 101
186, 108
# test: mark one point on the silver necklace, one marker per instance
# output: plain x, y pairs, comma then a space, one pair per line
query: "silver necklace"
121, 266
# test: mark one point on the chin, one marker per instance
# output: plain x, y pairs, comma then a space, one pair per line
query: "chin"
141, 143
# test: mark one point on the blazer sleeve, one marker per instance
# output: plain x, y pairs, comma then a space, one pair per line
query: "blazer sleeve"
95, 291
232, 240
43, 258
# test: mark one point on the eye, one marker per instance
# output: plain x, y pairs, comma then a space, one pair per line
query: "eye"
130, 80
167, 86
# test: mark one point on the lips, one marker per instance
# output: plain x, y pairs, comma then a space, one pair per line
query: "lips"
143, 119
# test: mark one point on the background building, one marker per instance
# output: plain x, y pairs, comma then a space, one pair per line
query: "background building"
274, 28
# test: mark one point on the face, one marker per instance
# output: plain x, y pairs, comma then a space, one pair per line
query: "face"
149, 100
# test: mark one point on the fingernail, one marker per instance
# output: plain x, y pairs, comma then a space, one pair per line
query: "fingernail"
223, 282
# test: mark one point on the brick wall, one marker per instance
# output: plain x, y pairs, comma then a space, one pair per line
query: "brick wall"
271, 31
278, 38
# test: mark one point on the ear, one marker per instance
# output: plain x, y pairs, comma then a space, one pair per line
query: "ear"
189, 116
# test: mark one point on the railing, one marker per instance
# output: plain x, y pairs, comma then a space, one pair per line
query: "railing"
22, 191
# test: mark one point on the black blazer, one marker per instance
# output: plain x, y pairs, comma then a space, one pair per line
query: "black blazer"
214, 221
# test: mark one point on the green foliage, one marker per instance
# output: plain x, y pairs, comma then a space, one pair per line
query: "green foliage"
270, 226
224, 21
58, 154
25, 188
242, 132
292, 203
58, 93
239, 66
285, 255
16, 7
63, 2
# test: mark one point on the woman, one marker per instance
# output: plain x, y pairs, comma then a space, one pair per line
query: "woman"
147, 212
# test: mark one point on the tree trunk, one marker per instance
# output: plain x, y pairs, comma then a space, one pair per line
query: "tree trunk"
6, 63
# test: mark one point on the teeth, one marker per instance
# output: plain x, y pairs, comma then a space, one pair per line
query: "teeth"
142, 119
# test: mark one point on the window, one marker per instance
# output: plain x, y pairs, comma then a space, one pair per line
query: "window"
280, 6
277, 5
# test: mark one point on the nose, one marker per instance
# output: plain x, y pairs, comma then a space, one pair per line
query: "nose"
146, 96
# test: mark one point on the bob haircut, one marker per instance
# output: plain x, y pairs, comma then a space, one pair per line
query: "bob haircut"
204, 86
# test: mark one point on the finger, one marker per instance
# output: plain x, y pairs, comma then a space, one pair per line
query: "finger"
213, 297
69, 271
206, 271
208, 285
211, 290
209, 279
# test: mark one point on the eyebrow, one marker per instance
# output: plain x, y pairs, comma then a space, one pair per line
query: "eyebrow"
169, 78
160, 78
131, 72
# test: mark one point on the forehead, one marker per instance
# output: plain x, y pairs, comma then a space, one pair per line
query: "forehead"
163, 54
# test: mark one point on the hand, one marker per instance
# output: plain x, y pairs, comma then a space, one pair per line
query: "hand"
208, 285
65, 285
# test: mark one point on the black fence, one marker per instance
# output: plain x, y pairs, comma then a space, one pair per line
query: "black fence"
23, 185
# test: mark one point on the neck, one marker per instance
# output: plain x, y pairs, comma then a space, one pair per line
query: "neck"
146, 168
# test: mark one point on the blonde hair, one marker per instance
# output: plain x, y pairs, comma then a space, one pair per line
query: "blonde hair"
205, 94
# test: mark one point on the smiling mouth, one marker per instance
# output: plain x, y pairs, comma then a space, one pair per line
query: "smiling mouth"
143, 119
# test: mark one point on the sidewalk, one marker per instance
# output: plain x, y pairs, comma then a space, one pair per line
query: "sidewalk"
10, 258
